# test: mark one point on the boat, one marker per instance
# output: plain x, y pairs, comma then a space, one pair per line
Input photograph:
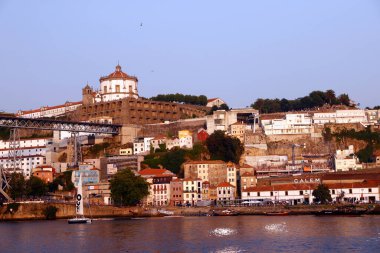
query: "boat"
79, 219
277, 213
226, 212
343, 210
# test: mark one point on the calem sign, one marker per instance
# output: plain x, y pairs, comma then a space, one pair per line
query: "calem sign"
307, 180
79, 198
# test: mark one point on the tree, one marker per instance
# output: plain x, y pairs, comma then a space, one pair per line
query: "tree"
36, 187
223, 147
344, 99
127, 188
322, 194
17, 186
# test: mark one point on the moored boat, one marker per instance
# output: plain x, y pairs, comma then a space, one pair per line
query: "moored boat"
277, 213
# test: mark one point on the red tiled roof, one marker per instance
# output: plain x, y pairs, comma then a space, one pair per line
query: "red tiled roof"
192, 179
211, 99
246, 166
247, 174
225, 184
118, 74
153, 172
289, 187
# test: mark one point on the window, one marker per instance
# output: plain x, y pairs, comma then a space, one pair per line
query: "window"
258, 194
105, 89
286, 193
271, 193
350, 190
369, 189
333, 191
301, 192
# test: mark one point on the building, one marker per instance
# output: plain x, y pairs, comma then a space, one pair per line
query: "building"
214, 171
158, 141
31, 153
172, 143
44, 172
126, 151
237, 130
159, 185
50, 111
221, 119
159, 189
346, 160
192, 191
89, 176
247, 180
291, 124
202, 135
215, 102
142, 145
206, 190
343, 117
98, 193
297, 193
231, 174
176, 192
118, 98
225, 191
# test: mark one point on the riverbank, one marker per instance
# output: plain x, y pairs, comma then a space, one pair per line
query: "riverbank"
35, 211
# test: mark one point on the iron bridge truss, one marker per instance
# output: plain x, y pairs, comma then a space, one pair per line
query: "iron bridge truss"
70, 126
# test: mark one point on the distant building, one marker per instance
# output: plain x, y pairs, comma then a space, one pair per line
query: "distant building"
346, 160
98, 193
214, 171
176, 192
50, 111
45, 173
192, 190
215, 102
300, 123
89, 176
226, 191
221, 119
202, 135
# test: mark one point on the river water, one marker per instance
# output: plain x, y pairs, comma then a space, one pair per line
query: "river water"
196, 234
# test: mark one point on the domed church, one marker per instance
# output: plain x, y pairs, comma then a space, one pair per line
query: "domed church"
115, 86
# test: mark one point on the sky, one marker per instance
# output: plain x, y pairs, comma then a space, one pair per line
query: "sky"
236, 50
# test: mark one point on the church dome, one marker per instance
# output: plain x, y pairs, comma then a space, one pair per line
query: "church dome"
118, 74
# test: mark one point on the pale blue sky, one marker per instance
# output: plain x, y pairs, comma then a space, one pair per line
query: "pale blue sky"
236, 50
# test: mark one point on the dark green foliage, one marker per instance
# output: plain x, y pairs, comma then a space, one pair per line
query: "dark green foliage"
17, 186
4, 133
322, 194
13, 207
63, 180
314, 99
173, 159
36, 187
327, 135
97, 148
50, 212
127, 188
221, 107
223, 147
181, 98
371, 138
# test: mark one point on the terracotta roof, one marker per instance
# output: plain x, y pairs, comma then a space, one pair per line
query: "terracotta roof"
246, 166
192, 179
206, 162
247, 174
177, 180
47, 108
118, 74
289, 187
205, 182
159, 137
154, 172
225, 184
238, 123
212, 99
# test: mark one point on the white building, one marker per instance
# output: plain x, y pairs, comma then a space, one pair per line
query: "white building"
32, 153
346, 160
231, 174
50, 111
340, 117
115, 86
291, 124
225, 191
142, 145
192, 190
221, 119
215, 102
366, 191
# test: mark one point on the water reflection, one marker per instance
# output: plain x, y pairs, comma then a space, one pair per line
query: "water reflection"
276, 228
223, 232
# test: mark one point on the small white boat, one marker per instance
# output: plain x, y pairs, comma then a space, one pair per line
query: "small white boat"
79, 219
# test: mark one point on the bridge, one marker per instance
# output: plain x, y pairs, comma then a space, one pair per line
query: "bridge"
58, 125
45, 124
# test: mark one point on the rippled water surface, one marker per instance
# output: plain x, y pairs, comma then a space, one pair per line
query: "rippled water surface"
196, 234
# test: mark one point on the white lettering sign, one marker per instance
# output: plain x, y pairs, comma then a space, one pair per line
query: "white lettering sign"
307, 180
